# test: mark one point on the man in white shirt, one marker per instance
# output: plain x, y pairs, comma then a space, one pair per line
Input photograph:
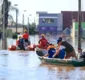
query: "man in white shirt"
69, 50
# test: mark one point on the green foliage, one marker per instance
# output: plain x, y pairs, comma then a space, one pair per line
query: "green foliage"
32, 29
82, 25
14, 36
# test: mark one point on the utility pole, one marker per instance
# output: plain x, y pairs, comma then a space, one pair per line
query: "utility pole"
3, 28
5, 7
79, 26
23, 22
16, 19
16, 11
28, 25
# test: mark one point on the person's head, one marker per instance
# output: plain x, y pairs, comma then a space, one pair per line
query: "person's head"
20, 37
42, 35
59, 41
60, 38
25, 31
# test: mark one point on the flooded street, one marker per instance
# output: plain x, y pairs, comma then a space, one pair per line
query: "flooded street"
26, 66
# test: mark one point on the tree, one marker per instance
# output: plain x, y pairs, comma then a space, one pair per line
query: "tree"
32, 28
7, 5
10, 20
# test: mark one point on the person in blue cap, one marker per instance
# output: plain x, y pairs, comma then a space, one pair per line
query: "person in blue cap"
65, 49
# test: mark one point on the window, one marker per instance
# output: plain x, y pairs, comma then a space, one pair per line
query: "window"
47, 20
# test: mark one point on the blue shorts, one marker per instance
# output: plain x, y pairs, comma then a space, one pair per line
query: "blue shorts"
61, 54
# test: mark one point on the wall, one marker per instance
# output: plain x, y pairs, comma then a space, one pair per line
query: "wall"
68, 16
60, 22
47, 16
75, 27
45, 26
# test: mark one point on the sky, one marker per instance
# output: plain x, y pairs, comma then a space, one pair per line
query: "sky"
50, 6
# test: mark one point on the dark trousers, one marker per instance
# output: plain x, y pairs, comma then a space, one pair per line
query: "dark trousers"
21, 46
27, 41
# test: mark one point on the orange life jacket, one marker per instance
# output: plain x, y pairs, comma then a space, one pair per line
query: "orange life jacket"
51, 46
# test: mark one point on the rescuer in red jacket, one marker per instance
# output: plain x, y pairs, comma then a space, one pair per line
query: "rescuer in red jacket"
43, 42
26, 37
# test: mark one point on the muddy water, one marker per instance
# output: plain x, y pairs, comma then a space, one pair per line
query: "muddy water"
27, 66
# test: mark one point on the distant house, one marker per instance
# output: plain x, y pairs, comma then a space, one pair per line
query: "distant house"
49, 22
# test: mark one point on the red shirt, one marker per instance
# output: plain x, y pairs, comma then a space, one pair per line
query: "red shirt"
43, 42
25, 35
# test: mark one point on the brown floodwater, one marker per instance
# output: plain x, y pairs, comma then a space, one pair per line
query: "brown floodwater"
27, 66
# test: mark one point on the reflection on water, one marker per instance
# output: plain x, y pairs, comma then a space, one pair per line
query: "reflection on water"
65, 73
27, 66
18, 66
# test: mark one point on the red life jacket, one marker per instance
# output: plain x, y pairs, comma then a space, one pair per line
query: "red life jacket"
43, 42
12, 47
25, 35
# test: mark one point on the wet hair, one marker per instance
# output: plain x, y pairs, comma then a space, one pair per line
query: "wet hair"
50, 44
42, 35
59, 40
20, 36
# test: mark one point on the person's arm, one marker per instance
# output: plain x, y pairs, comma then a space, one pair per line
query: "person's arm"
47, 43
39, 41
57, 52
45, 55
